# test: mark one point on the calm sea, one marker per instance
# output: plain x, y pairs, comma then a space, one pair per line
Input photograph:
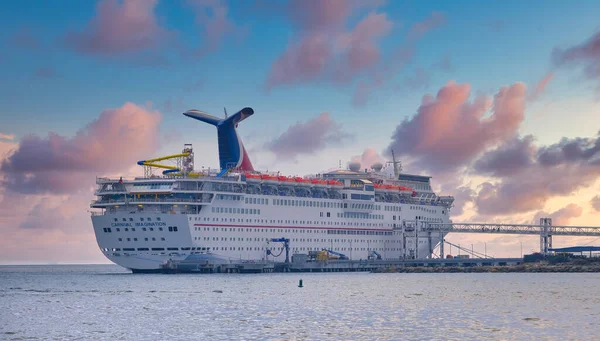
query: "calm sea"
105, 302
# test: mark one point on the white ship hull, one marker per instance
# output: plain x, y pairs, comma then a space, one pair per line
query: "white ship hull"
144, 241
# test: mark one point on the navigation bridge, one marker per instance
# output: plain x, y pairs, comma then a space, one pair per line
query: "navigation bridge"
545, 230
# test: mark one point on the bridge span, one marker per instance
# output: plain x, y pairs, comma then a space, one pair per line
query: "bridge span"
545, 230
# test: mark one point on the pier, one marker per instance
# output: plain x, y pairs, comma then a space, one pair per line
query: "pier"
328, 265
415, 229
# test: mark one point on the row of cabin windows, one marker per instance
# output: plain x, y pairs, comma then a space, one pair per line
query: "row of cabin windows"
235, 210
368, 233
229, 197
257, 201
358, 215
126, 229
425, 209
158, 249
141, 219
307, 203
234, 229
145, 239
233, 248
303, 240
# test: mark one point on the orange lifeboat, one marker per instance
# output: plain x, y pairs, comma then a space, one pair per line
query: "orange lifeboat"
379, 187
252, 177
269, 179
318, 183
301, 181
390, 188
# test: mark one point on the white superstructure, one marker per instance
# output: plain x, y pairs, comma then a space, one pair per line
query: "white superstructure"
141, 223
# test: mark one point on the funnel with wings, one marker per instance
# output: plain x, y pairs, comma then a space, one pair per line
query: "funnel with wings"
232, 153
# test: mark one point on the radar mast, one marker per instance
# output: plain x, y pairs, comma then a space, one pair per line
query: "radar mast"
397, 165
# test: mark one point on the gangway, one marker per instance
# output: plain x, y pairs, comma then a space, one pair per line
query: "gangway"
376, 254
545, 230
471, 252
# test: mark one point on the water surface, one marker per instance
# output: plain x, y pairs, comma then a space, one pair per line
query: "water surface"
105, 302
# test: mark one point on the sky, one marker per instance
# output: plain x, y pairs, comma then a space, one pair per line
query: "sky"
497, 100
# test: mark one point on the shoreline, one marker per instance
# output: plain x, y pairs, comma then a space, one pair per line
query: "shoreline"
546, 266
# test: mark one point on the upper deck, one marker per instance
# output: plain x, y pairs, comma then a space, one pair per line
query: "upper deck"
202, 189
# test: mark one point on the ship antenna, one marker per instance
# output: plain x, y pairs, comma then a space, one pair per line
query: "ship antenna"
225, 110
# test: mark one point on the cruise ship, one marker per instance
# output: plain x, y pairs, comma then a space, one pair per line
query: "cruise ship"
236, 213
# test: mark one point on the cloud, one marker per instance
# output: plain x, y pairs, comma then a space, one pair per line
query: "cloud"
44, 73
322, 49
418, 30
397, 60
119, 28
585, 55
496, 25
445, 64
419, 80
7, 136
448, 131
57, 164
25, 39
571, 150
212, 16
536, 174
595, 202
195, 86
307, 137
508, 159
369, 157
541, 86
561, 217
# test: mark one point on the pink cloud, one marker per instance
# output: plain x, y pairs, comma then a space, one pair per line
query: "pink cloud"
51, 228
57, 164
323, 49
307, 137
595, 202
119, 28
541, 86
7, 136
449, 131
368, 158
